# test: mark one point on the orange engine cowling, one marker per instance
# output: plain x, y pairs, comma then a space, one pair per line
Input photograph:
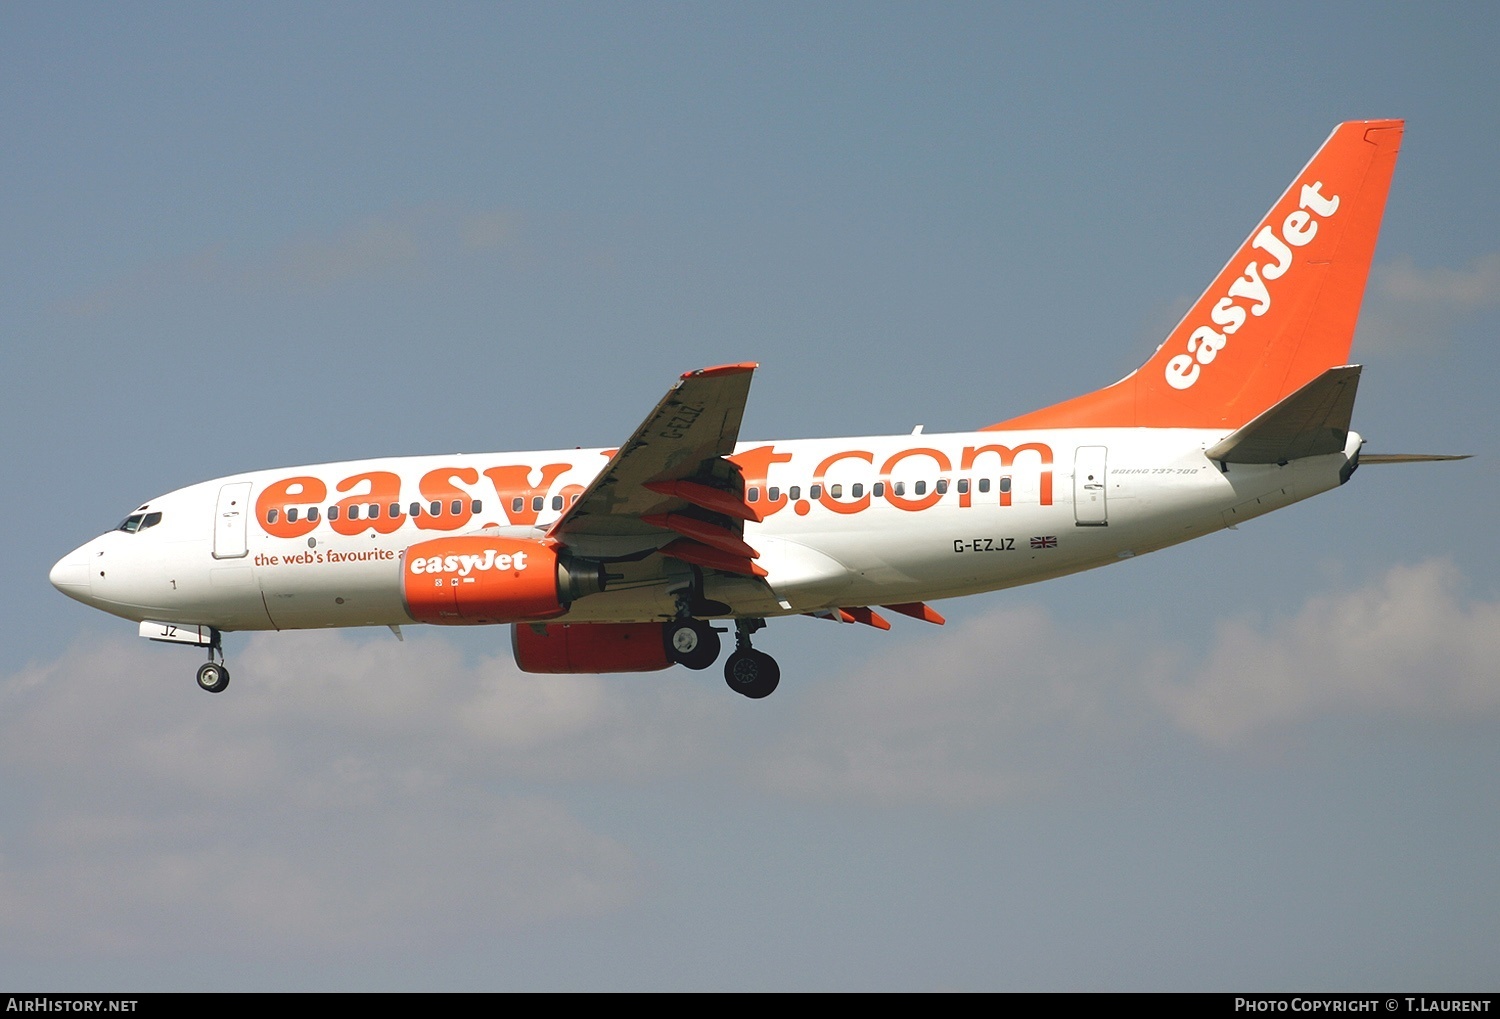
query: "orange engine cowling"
589, 647
478, 579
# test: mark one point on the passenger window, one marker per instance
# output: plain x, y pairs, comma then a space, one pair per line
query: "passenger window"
773, 493
414, 510
837, 491
857, 491
536, 504
878, 489
372, 511
898, 488
815, 492
477, 506
271, 515
436, 509
333, 512
984, 484
456, 507
353, 512
920, 488
557, 502
963, 486
516, 504
795, 492
752, 494
1005, 484
291, 515
942, 486
395, 509
312, 513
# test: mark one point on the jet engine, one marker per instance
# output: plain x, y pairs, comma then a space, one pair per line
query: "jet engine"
479, 579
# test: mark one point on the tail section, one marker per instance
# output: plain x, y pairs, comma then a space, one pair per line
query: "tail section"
1280, 314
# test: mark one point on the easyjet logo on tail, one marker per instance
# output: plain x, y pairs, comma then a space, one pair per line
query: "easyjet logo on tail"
1252, 286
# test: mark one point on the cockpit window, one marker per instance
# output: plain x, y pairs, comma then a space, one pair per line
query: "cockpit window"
139, 522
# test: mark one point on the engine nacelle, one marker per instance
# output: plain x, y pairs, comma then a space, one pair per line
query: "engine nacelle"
589, 647
478, 579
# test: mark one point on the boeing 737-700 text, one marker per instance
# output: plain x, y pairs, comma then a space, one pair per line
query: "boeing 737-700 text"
619, 560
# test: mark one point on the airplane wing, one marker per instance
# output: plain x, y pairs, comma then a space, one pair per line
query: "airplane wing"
670, 486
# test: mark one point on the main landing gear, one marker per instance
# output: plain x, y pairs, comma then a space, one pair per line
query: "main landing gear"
748, 671
691, 642
695, 644
213, 676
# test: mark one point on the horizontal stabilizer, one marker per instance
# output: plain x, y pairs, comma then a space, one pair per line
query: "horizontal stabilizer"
1310, 422
1408, 458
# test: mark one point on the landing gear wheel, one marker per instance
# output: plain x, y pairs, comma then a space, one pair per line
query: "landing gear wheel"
752, 673
213, 677
691, 642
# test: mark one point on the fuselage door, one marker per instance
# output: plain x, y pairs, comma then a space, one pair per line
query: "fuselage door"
1088, 487
231, 518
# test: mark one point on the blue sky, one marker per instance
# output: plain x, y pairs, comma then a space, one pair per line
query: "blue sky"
235, 237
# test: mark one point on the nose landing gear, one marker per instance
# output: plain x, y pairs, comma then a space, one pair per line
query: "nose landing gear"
213, 676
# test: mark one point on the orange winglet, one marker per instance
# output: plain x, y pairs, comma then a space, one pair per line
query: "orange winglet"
700, 530
715, 500
917, 610
723, 369
698, 554
866, 615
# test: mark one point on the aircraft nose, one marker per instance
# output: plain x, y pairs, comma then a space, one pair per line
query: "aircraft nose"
70, 575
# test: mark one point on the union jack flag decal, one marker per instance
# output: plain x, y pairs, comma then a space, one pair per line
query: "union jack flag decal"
1050, 541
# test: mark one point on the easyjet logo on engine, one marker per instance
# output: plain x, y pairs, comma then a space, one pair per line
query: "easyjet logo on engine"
1297, 229
463, 565
473, 579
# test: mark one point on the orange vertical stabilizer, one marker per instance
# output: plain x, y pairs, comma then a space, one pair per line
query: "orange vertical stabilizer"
1278, 315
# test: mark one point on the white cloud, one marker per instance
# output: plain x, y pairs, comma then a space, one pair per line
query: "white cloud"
416, 868
1408, 308
373, 248
996, 708
341, 793
483, 231
1473, 288
1408, 645
373, 794
1014, 705
400, 245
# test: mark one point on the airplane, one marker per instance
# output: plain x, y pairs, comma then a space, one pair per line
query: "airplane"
624, 559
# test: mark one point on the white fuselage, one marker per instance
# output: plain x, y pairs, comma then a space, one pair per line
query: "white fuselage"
846, 522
